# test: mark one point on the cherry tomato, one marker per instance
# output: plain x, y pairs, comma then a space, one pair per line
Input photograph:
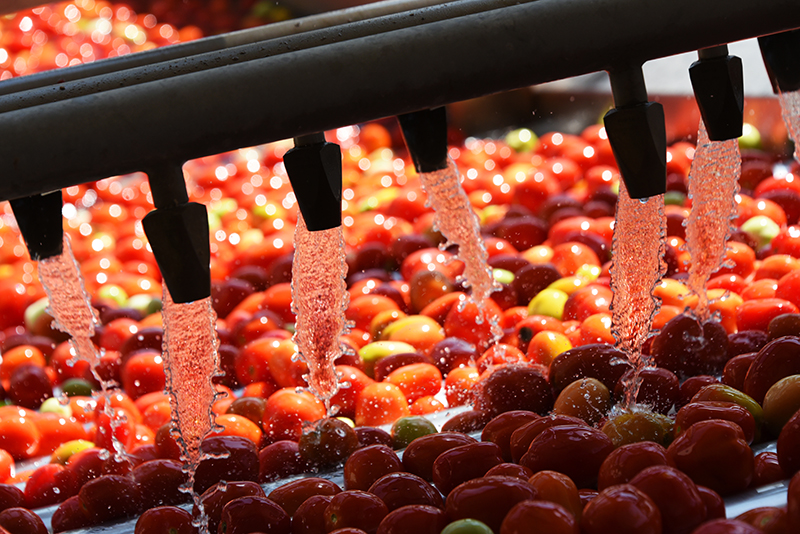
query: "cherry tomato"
621, 509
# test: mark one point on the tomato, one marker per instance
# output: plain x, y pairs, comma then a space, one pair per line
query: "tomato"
714, 453
681, 506
164, 520
627, 461
539, 517
487, 499
380, 403
622, 509
557, 488
756, 314
286, 412
414, 519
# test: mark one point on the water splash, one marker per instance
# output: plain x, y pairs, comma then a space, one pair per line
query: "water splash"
713, 185
319, 299
459, 224
70, 306
638, 265
790, 110
190, 362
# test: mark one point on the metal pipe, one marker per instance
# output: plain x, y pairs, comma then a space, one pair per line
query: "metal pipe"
64, 90
213, 43
194, 115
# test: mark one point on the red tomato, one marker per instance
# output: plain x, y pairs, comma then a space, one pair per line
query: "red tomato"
622, 509
286, 412
756, 314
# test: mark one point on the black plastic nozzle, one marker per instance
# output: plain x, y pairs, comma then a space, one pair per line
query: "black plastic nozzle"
314, 167
425, 133
178, 234
718, 83
781, 53
637, 134
39, 221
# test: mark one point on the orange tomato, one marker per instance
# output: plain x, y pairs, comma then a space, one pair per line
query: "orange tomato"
380, 403
238, 425
17, 356
55, 430
458, 385
426, 405
417, 380
287, 411
776, 266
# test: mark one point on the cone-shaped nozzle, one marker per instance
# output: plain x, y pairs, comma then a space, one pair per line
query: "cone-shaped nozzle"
178, 234
315, 171
637, 133
39, 221
425, 133
718, 83
781, 53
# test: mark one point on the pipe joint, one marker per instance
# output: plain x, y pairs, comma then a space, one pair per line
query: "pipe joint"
425, 133
781, 52
39, 221
718, 85
315, 171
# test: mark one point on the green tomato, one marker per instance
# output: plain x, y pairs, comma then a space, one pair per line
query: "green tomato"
113, 292
35, 314
550, 302
65, 451
377, 350
77, 387
751, 137
467, 526
145, 303
522, 140
223, 206
503, 276
761, 228
407, 429
674, 198
53, 405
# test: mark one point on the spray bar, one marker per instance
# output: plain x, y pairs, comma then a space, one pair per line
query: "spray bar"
52, 146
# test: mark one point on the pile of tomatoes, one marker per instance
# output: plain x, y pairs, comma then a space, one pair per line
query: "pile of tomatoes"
552, 449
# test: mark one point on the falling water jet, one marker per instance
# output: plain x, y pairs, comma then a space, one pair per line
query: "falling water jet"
637, 135
780, 52
425, 133
39, 221
717, 80
319, 291
178, 234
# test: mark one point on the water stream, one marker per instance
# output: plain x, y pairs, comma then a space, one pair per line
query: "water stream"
790, 110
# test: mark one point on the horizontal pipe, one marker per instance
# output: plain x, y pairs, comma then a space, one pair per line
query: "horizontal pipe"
55, 145
12, 6
211, 44
247, 52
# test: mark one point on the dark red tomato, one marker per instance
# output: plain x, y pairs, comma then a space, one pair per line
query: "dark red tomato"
736, 369
627, 461
681, 506
621, 509
345, 530
768, 519
369, 435
165, 520
587, 495
166, 446
687, 347
793, 501
414, 519
354, 508
767, 469
691, 386
659, 388
558, 488
726, 526
368, 464
510, 470
10, 497
310, 516
69, 516
453, 352
746, 341
110, 497
49, 484
789, 445
463, 463
776, 360
523, 436
292, 494
715, 454
574, 450
160, 482
403, 489
241, 462
465, 422
705, 410
280, 459
419, 456
21, 521
252, 514
487, 499
539, 517
599, 361
514, 387
216, 497
715, 506
499, 429
329, 442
